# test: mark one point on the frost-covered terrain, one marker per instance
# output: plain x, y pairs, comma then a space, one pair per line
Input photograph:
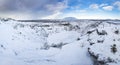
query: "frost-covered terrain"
83, 42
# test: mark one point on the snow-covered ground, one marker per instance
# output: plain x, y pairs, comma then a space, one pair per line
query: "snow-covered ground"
84, 42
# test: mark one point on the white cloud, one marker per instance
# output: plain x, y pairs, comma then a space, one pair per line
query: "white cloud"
82, 11
56, 7
75, 7
94, 6
102, 5
109, 8
54, 16
117, 3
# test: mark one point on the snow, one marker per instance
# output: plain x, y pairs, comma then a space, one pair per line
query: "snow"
38, 43
66, 37
76, 55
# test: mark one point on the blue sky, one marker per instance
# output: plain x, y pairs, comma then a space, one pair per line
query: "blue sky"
57, 9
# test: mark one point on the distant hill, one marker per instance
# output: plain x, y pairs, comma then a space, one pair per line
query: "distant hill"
69, 18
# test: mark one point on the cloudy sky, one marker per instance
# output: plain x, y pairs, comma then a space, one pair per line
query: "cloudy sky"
57, 9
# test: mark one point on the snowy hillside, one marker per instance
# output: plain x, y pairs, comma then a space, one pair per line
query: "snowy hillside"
84, 42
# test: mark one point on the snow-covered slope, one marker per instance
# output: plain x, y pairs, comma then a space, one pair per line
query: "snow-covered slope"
85, 42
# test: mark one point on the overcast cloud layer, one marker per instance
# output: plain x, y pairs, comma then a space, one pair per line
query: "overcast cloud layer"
50, 9
30, 8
